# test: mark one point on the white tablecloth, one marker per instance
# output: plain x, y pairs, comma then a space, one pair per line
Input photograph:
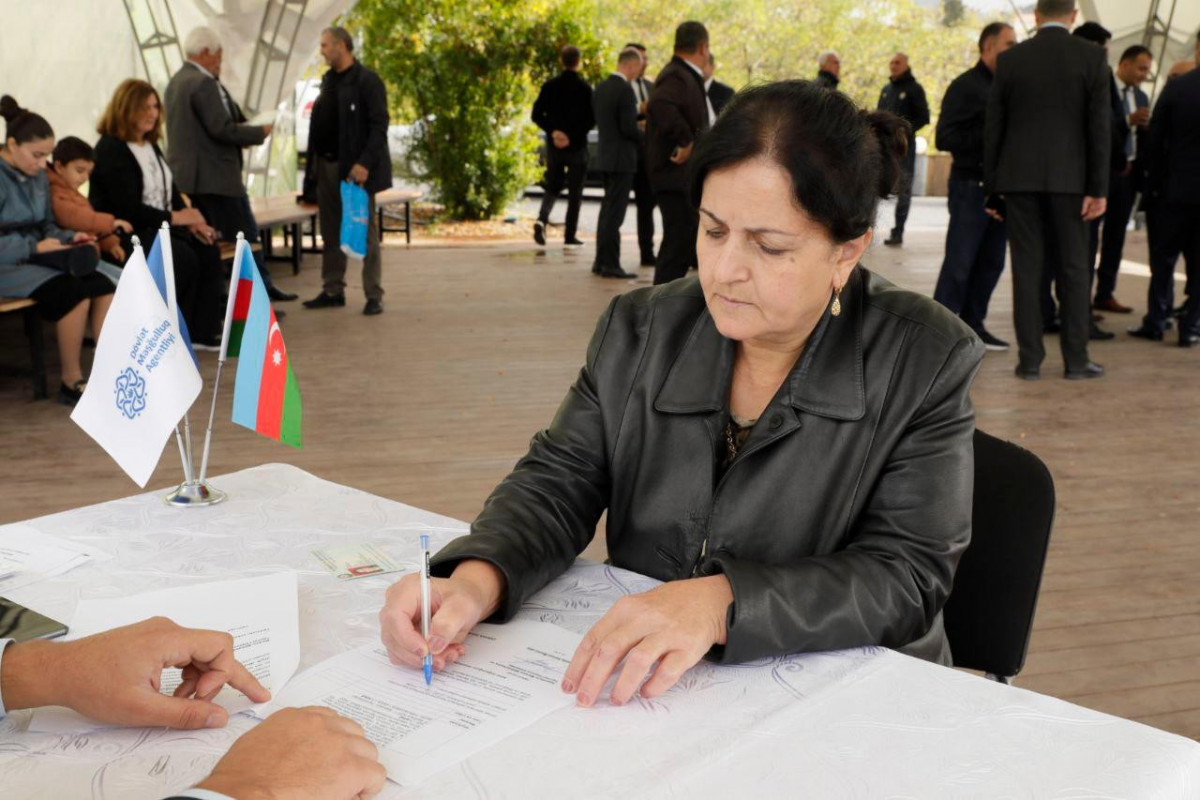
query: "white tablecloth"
866, 723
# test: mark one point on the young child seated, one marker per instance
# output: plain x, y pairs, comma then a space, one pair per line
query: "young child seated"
73, 162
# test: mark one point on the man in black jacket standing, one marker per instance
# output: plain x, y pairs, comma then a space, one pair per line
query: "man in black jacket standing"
1173, 153
905, 98
829, 70
975, 244
563, 110
719, 94
347, 141
643, 195
677, 115
1046, 152
616, 117
1130, 118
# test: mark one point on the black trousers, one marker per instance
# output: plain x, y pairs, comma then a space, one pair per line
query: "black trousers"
1174, 230
643, 196
1034, 220
231, 216
612, 215
567, 167
974, 258
199, 281
904, 190
677, 254
1109, 240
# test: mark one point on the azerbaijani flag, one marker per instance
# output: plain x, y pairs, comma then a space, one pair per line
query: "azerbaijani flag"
266, 398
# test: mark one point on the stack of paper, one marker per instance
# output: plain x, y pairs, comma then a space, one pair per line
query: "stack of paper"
27, 556
262, 615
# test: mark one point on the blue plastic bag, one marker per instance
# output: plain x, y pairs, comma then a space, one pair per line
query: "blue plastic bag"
355, 220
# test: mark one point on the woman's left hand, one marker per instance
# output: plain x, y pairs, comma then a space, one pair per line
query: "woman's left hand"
205, 233
672, 625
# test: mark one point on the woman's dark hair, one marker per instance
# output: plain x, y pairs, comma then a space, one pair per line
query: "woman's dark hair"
72, 148
24, 126
841, 159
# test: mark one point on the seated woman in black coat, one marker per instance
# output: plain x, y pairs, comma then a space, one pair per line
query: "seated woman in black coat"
133, 182
785, 440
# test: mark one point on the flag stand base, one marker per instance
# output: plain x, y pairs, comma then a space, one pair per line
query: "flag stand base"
191, 495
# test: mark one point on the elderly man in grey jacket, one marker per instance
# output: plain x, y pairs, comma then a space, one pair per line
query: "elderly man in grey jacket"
206, 131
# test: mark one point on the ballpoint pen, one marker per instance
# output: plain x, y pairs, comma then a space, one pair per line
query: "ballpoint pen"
425, 607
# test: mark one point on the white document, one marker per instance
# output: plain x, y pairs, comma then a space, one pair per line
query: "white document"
261, 614
509, 678
27, 556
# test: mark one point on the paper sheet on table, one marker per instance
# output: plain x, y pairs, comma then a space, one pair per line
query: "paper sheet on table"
261, 614
28, 556
508, 679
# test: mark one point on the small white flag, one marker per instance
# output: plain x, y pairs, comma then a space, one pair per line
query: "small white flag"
143, 378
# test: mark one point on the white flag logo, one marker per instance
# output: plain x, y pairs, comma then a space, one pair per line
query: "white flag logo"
143, 379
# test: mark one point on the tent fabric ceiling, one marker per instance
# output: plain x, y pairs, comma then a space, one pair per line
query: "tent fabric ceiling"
66, 64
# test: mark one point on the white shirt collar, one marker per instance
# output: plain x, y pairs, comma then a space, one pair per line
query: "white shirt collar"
1045, 25
202, 69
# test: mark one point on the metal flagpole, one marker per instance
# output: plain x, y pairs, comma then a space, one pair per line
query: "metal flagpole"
191, 492
235, 274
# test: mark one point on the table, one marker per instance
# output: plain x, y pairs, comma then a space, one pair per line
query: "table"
865, 723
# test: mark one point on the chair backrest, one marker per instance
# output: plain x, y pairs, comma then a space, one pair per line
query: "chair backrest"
989, 614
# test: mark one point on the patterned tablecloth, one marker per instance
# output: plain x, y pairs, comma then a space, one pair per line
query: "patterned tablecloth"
866, 723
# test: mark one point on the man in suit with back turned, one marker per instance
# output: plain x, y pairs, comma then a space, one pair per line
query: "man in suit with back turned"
616, 120
1046, 158
643, 195
677, 115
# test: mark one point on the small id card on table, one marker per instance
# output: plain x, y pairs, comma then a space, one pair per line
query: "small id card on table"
352, 561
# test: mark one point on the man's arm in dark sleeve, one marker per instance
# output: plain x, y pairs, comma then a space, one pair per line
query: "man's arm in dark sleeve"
210, 110
541, 111
627, 114
993, 128
958, 129
375, 100
1099, 128
920, 108
664, 109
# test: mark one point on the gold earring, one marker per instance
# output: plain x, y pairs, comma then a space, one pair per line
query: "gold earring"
836, 308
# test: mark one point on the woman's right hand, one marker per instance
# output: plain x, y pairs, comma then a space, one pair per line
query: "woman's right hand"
49, 246
457, 604
186, 217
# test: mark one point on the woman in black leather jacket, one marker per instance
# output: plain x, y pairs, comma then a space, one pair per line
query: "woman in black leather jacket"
785, 441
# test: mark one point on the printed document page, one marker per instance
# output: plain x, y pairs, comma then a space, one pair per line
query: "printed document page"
509, 678
260, 613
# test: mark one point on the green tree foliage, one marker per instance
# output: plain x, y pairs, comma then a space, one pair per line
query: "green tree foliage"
464, 72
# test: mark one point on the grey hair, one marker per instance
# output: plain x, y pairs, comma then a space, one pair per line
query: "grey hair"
342, 35
825, 54
201, 39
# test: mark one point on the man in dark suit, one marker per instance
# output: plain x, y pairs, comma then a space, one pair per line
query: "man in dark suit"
1046, 152
1173, 175
719, 94
905, 98
347, 141
677, 115
829, 70
620, 138
643, 195
207, 131
563, 110
975, 242
1131, 115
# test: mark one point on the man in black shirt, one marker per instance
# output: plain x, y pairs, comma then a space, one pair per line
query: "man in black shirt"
563, 110
347, 141
905, 98
975, 243
829, 68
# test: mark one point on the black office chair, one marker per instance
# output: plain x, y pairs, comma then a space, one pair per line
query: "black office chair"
989, 614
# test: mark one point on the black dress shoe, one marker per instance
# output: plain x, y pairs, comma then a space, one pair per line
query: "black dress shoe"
539, 233
1053, 327
1097, 334
278, 295
1028, 373
895, 240
1144, 332
1189, 338
372, 308
573, 243
648, 261
1088, 370
326, 301
616, 273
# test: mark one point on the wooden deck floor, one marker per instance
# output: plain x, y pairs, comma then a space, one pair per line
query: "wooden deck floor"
432, 402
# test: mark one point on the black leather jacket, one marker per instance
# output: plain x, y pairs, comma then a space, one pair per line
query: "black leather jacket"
842, 519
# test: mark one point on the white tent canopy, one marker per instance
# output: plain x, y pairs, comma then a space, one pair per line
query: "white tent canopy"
1172, 23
